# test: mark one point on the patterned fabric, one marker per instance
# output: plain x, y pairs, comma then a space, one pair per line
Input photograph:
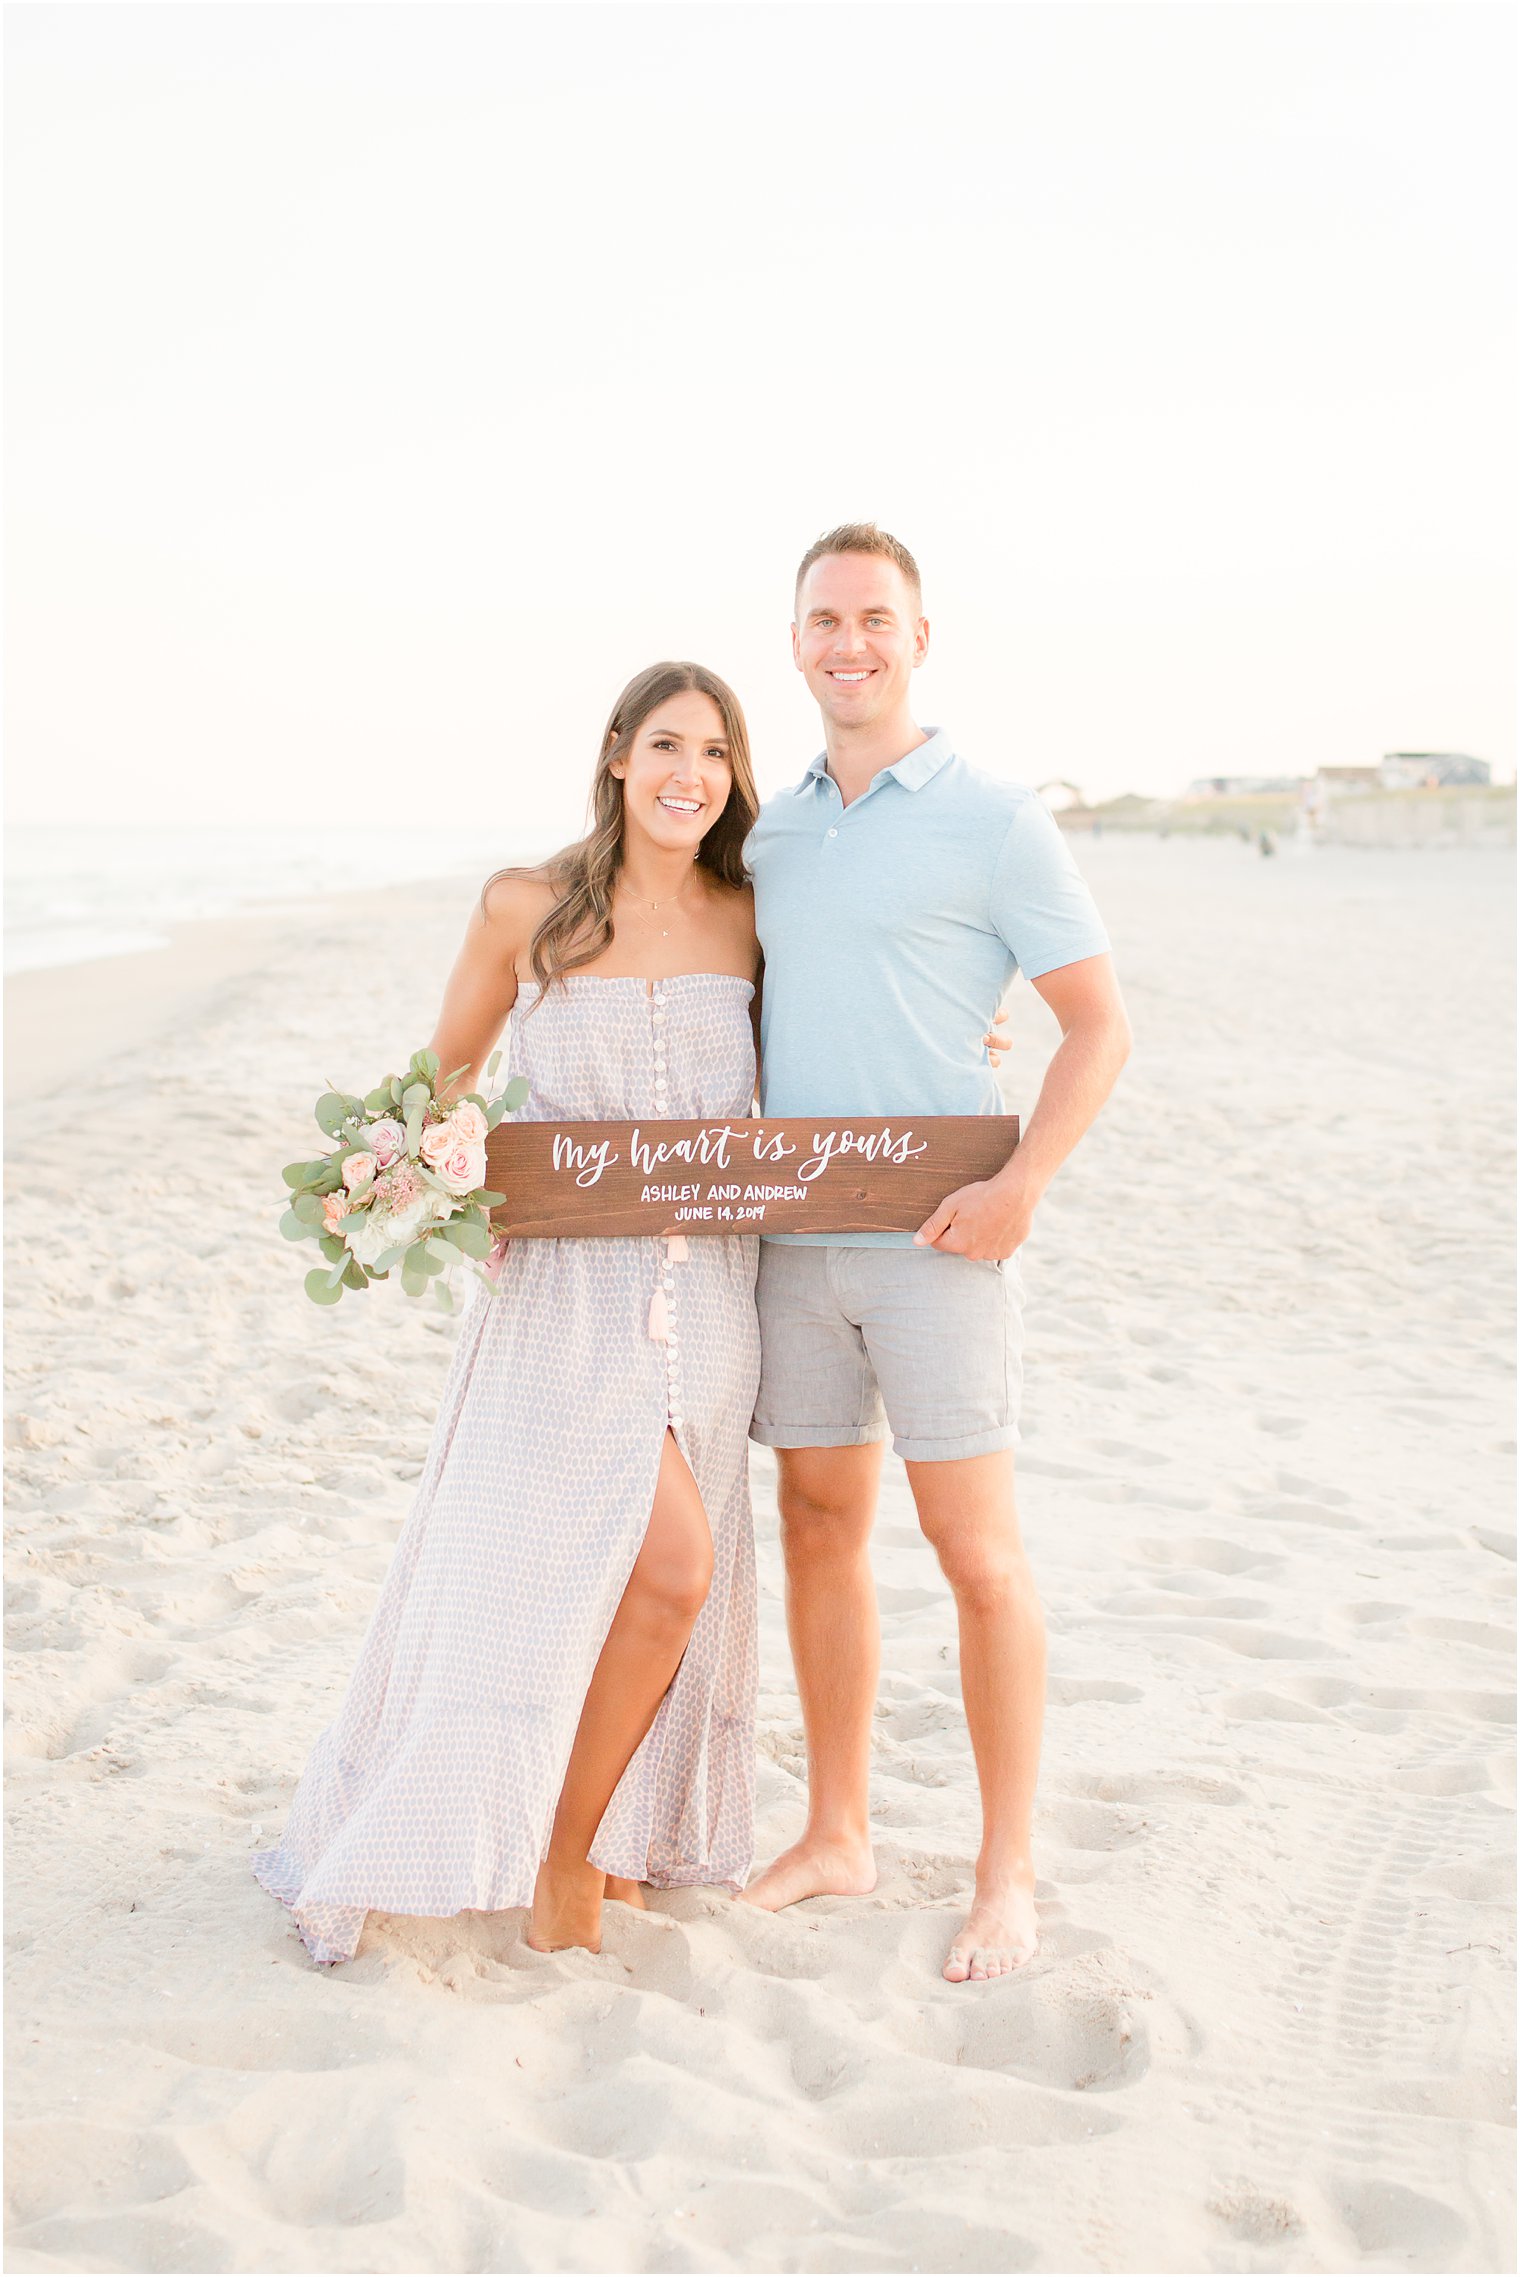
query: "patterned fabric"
435, 1786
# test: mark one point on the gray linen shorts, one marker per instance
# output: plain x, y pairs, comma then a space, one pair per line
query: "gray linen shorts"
857, 1342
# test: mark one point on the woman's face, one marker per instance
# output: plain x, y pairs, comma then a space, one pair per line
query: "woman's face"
676, 778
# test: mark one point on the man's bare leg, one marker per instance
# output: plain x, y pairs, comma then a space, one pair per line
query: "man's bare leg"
967, 1510
828, 1502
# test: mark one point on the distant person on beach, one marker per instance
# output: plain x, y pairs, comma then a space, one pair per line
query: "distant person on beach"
897, 892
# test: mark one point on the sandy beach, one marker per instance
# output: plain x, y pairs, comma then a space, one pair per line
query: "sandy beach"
1266, 1480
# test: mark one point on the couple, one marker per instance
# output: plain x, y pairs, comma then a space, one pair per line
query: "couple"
555, 1700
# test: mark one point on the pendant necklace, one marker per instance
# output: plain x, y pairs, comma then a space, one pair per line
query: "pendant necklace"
671, 901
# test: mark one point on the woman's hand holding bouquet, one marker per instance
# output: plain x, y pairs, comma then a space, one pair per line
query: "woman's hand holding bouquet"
405, 1184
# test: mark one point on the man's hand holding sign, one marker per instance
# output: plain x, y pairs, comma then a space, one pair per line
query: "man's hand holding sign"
992, 1218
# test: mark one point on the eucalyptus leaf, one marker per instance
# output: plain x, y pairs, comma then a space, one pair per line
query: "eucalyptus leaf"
490, 1201
334, 1247
392, 1256
395, 1090
445, 1296
493, 1062
292, 1227
469, 1235
378, 1101
354, 1277
416, 1095
320, 1288
337, 1270
413, 1130
494, 1113
514, 1092
307, 1208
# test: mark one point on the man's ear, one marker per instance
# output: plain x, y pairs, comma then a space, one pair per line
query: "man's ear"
796, 651
920, 642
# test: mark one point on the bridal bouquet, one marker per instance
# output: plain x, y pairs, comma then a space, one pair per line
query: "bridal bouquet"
404, 1185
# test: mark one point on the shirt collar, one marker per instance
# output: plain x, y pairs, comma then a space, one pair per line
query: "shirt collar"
913, 770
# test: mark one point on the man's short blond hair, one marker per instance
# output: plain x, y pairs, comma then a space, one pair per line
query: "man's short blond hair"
862, 537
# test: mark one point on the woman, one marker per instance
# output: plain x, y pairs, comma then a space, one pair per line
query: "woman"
555, 1698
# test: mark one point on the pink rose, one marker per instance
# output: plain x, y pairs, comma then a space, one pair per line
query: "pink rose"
387, 1140
356, 1169
462, 1169
437, 1138
334, 1207
469, 1123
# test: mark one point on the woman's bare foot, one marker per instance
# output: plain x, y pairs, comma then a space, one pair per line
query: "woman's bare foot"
567, 1907
626, 1892
1000, 1933
813, 1869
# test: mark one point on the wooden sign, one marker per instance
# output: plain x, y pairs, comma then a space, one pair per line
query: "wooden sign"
797, 1174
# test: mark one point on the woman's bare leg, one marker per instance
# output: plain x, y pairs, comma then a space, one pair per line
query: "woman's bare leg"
666, 1591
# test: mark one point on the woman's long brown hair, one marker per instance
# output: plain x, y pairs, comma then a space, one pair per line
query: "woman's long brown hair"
583, 876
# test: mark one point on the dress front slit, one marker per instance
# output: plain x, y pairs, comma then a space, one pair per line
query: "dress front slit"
434, 1787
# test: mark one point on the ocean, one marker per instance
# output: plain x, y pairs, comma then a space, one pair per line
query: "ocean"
104, 890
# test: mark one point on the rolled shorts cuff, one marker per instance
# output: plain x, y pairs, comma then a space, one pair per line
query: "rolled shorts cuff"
957, 1450
817, 1434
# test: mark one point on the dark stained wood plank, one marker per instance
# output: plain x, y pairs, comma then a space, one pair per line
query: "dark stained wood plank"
798, 1174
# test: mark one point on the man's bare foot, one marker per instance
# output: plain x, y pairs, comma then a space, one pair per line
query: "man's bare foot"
567, 1907
1000, 1933
626, 1892
813, 1869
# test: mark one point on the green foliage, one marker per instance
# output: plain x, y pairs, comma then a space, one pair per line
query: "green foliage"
514, 1093
467, 1234
320, 1288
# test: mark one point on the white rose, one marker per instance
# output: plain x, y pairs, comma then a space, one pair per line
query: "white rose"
370, 1232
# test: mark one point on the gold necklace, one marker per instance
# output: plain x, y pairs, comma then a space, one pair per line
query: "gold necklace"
671, 901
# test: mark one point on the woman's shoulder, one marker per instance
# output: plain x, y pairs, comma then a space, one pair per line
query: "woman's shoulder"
513, 899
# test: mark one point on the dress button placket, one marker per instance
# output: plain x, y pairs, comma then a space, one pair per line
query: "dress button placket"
667, 1283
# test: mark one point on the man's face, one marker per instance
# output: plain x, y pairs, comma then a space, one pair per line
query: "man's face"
858, 637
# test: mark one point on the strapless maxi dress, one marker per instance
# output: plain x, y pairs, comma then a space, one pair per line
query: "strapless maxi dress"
434, 1787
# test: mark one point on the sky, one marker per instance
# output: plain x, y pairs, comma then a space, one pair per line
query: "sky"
388, 383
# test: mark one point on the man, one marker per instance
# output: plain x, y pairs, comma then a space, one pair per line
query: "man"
897, 891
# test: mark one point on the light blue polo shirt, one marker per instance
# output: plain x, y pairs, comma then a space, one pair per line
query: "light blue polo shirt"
892, 928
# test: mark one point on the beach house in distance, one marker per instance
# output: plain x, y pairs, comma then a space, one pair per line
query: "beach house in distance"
1410, 798
1397, 771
